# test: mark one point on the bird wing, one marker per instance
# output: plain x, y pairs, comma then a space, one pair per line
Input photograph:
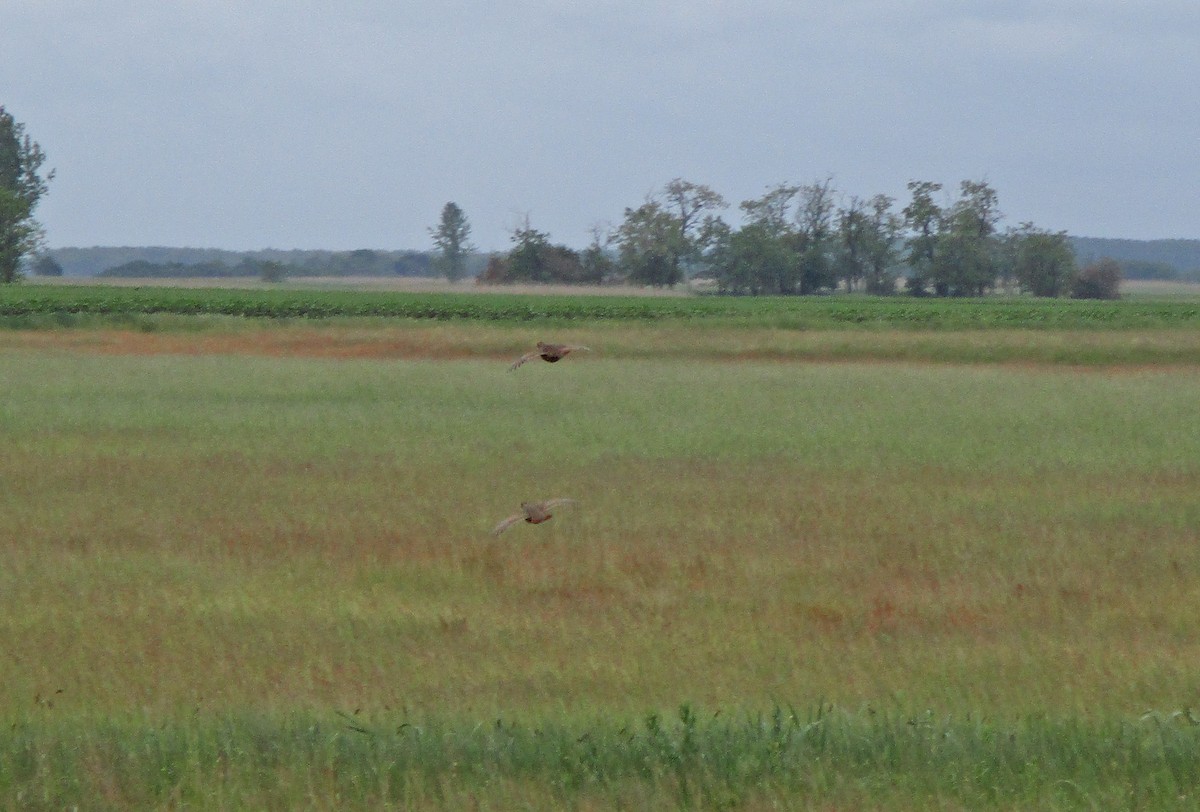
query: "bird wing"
507, 523
550, 503
529, 356
573, 347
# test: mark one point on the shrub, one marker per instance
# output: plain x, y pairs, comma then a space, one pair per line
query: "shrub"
1098, 280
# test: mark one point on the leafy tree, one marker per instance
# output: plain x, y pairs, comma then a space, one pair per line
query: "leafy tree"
271, 270
761, 256
596, 260
361, 261
534, 259
966, 258
1008, 246
883, 234
669, 234
46, 265
690, 203
853, 227
651, 245
713, 241
866, 237
1042, 261
21, 187
1098, 280
527, 258
760, 262
814, 237
771, 210
451, 239
923, 218
784, 245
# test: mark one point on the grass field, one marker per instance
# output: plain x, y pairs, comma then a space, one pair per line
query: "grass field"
249, 567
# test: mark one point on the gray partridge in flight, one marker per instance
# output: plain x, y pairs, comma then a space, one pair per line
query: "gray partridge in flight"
548, 352
532, 512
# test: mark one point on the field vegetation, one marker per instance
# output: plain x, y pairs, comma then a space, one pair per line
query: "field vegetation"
247, 562
62, 303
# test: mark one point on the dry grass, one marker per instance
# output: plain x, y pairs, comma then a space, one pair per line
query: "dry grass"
1159, 287
439, 341
315, 533
196, 533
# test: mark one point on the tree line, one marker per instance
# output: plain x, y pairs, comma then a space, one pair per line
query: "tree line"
1145, 259
800, 240
163, 261
274, 266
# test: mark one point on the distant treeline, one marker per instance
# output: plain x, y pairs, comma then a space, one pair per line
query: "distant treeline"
1144, 259
157, 261
1138, 259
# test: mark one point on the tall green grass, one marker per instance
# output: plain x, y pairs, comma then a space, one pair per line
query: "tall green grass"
693, 759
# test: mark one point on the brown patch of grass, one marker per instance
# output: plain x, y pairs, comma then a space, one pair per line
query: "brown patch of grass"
1110, 351
274, 342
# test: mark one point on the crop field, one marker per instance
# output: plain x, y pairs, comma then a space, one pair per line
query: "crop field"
41, 305
861, 564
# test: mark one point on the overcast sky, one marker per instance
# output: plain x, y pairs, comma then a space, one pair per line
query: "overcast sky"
245, 125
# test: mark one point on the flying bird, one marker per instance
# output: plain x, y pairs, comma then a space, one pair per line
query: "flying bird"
548, 352
532, 512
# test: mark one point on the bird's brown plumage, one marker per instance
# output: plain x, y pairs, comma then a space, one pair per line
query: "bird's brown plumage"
532, 512
551, 353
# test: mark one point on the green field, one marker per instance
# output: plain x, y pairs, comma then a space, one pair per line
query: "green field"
50, 304
245, 570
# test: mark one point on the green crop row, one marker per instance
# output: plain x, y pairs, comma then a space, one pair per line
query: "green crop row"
783, 312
